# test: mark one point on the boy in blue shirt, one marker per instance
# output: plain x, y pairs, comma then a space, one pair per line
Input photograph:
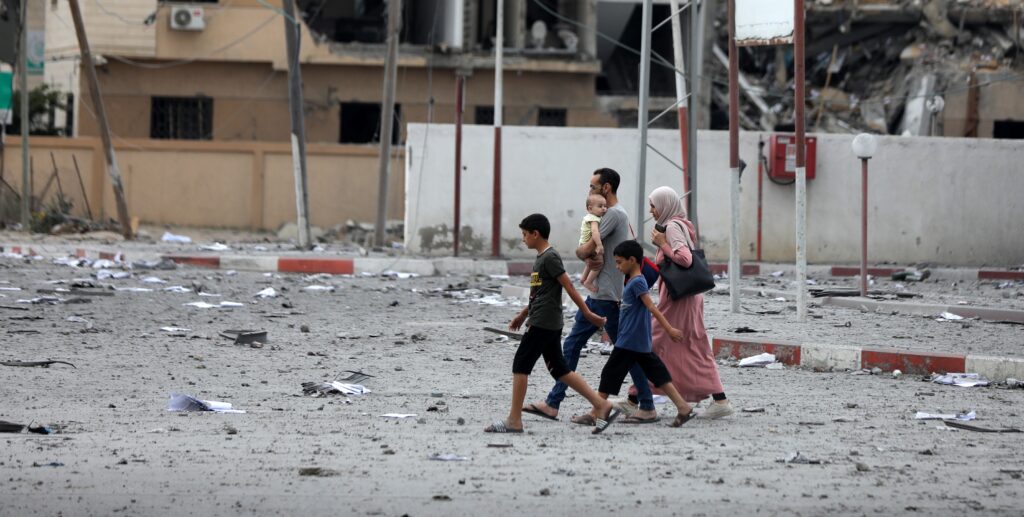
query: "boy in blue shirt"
544, 331
634, 343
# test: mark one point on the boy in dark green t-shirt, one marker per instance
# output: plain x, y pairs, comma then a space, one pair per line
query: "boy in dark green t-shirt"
544, 333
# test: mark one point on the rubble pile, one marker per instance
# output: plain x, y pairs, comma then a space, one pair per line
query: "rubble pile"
880, 66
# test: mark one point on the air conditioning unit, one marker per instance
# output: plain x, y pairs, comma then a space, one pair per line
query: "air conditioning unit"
187, 18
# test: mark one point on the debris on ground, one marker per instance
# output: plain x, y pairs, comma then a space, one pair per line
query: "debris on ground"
221, 305
268, 293
187, 403
319, 389
967, 427
963, 380
44, 364
217, 246
963, 417
246, 337
796, 458
318, 472
170, 237
758, 361
398, 416
447, 457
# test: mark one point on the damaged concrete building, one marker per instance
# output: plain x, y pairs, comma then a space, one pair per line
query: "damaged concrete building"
904, 67
209, 70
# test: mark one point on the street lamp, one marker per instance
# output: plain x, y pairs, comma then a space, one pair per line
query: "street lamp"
864, 146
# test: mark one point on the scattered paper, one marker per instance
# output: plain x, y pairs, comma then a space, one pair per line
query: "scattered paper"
775, 366
177, 289
215, 247
175, 329
778, 274
448, 457
399, 275
105, 274
963, 417
964, 380
949, 316
133, 289
179, 402
779, 299
103, 264
318, 288
10, 288
268, 293
208, 295
759, 360
153, 280
398, 415
204, 305
170, 237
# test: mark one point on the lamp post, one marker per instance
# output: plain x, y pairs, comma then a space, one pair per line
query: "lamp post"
864, 146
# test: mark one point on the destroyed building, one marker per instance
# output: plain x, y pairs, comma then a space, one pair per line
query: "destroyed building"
902, 67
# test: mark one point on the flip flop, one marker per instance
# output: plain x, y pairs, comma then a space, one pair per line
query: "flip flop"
533, 410
602, 424
682, 419
584, 419
638, 420
498, 426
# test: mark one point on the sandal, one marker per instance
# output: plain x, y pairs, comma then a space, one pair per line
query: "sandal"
584, 419
682, 419
534, 410
602, 424
632, 419
499, 426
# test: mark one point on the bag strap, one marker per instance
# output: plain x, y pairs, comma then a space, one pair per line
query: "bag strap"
686, 234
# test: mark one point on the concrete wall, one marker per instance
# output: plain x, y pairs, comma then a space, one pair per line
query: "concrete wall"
944, 200
231, 185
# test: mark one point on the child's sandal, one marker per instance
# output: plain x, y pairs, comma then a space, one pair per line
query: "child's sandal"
682, 419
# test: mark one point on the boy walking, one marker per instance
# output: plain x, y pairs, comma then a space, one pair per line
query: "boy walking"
634, 344
544, 332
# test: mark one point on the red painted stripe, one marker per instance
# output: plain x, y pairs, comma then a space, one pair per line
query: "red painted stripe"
195, 260
520, 268
1000, 275
16, 249
746, 269
80, 253
739, 348
330, 266
910, 362
105, 255
855, 271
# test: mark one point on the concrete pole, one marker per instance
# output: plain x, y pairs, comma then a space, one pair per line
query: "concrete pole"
460, 81
499, 51
734, 164
645, 83
26, 186
696, 43
101, 118
387, 117
677, 55
291, 37
801, 166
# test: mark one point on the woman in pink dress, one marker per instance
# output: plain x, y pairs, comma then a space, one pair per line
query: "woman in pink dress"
690, 361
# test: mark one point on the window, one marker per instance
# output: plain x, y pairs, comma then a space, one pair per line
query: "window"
1009, 129
360, 123
551, 117
181, 118
484, 116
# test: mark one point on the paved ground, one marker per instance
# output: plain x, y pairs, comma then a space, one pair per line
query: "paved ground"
120, 452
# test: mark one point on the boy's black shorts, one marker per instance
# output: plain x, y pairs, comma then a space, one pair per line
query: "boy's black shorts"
539, 342
622, 360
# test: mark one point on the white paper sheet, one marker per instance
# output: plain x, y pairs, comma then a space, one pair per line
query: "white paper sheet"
180, 402
759, 360
963, 417
963, 380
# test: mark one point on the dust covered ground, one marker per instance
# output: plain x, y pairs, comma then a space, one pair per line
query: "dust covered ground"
118, 451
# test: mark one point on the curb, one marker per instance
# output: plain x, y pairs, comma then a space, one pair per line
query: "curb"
299, 263
822, 357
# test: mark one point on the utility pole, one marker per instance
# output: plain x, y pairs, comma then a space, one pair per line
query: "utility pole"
291, 38
387, 117
734, 164
26, 187
499, 104
681, 100
645, 83
696, 57
801, 168
101, 118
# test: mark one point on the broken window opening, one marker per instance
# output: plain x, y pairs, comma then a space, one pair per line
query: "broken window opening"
424, 22
484, 116
620, 69
1008, 129
181, 118
553, 117
360, 123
